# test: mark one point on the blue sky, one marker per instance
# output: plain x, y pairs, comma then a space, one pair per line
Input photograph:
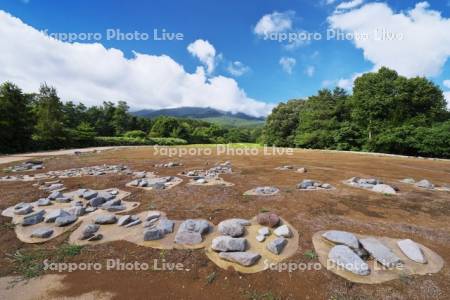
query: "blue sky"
229, 34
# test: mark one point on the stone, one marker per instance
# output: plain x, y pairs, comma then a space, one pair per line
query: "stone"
114, 208
227, 243
188, 238
380, 252
65, 220
133, 223
90, 209
264, 231
63, 199
55, 187
277, 245
260, 238
55, 195
425, 184
42, 233
153, 215
190, 225
201, 181
412, 251
77, 211
150, 223
301, 170
23, 208
89, 231
106, 219
106, 195
43, 202
96, 201
268, 219
344, 257
266, 190
80, 192
124, 220
34, 218
113, 202
342, 238
408, 180
166, 226
88, 195
231, 227
305, 184
245, 259
283, 231
152, 234
95, 237
326, 186
384, 189
54, 214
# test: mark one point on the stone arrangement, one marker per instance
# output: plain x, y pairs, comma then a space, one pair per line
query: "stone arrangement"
372, 184
426, 184
30, 165
369, 259
153, 182
169, 165
292, 168
313, 185
263, 191
210, 176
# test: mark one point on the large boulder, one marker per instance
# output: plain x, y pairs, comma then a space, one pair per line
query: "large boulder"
34, 218
277, 245
233, 227
227, 243
343, 257
380, 252
268, 219
105, 219
42, 233
245, 259
412, 251
342, 237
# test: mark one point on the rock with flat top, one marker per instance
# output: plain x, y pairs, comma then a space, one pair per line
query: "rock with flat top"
65, 220
166, 226
123, 220
412, 251
227, 243
342, 237
153, 215
34, 218
54, 214
276, 246
245, 259
106, 219
153, 234
343, 257
380, 252
425, 184
268, 219
42, 233
384, 189
265, 231
89, 231
23, 208
283, 231
43, 202
233, 227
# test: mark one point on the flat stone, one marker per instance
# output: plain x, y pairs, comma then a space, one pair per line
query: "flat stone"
95, 237
114, 208
124, 220
265, 231
344, 257
54, 214
342, 237
106, 195
188, 238
88, 195
97, 201
408, 180
55, 186
152, 234
23, 209
425, 184
227, 243
380, 252
276, 246
133, 223
150, 223
268, 219
89, 231
65, 220
260, 238
245, 259
305, 184
301, 170
106, 219
231, 227
113, 202
80, 192
63, 199
34, 218
190, 225
55, 195
166, 226
412, 251
283, 231
266, 190
42, 233
43, 202
384, 189
153, 215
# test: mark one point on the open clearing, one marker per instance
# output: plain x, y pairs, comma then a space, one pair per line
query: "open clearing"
418, 214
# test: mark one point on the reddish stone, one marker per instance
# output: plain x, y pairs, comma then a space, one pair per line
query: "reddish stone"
268, 219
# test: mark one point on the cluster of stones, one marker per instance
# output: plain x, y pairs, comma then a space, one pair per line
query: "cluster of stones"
425, 184
76, 172
351, 254
156, 226
291, 168
65, 217
373, 184
231, 245
169, 165
263, 191
271, 221
311, 185
30, 165
50, 186
204, 176
156, 183
191, 232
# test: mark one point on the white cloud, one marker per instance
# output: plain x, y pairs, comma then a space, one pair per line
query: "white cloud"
329, 2
90, 73
447, 97
424, 48
237, 68
287, 63
274, 23
349, 4
310, 71
447, 83
205, 52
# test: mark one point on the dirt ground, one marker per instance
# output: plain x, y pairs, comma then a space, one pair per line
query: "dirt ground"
421, 215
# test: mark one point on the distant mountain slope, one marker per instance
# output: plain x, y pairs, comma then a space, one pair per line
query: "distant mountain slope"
209, 114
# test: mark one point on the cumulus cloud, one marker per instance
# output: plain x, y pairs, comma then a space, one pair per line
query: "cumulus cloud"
447, 97
237, 68
287, 63
447, 83
205, 52
310, 71
274, 23
349, 5
423, 44
90, 73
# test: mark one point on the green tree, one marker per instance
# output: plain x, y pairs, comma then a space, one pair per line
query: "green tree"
121, 118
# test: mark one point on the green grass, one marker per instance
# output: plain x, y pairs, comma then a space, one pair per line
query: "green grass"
234, 122
7, 226
310, 254
254, 295
211, 277
67, 250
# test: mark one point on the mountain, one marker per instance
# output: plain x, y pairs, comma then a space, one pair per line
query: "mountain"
209, 114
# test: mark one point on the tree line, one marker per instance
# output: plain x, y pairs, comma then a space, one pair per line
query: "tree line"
385, 113
41, 121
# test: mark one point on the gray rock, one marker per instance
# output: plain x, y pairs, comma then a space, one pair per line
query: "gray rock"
150, 223
95, 237
412, 251
166, 226
190, 225
260, 238
276, 246
245, 259
89, 231
152, 234
80, 192
231, 227
133, 223
188, 238
266, 190
34, 218
343, 257
54, 214
265, 231
305, 184
114, 208
55, 186
88, 195
283, 231
124, 220
153, 215
97, 201
77, 211
384, 189
55, 195
43, 202
114, 202
425, 184
326, 186
23, 209
106, 219
408, 180
63, 199
342, 237
227, 243
42, 233
90, 209
65, 220
106, 195
380, 252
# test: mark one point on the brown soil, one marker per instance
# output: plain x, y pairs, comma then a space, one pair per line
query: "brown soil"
417, 214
